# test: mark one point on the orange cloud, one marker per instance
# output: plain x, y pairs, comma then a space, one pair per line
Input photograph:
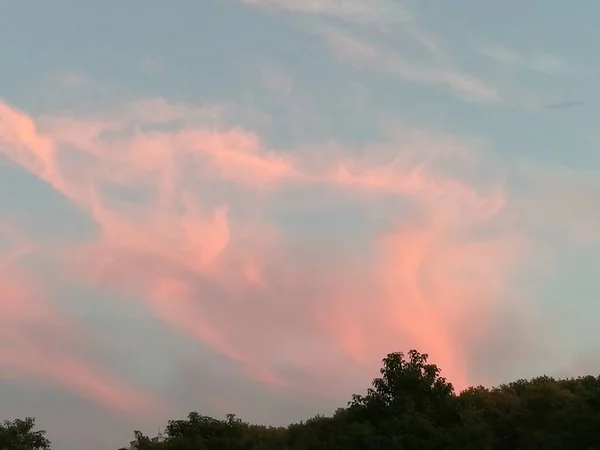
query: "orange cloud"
434, 282
239, 285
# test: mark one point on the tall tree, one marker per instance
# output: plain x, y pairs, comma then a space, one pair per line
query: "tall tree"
412, 406
20, 435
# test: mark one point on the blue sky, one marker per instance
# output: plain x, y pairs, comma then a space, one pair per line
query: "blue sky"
208, 202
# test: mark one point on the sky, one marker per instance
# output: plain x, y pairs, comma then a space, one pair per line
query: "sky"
241, 206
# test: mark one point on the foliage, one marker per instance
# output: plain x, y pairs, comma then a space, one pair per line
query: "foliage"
409, 407
20, 435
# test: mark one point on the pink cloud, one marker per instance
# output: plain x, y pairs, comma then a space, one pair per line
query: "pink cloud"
232, 283
37, 343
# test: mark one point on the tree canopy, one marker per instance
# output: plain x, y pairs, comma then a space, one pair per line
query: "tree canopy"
410, 406
20, 435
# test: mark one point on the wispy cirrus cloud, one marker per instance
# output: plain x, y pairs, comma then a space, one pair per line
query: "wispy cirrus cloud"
384, 58
396, 41
431, 68
365, 12
40, 344
537, 62
184, 207
183, 204
188, 260
240, 227
188, 213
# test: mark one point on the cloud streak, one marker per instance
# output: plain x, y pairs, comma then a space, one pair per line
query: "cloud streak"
368, 13
253, 228
540, 62
384, 58
38, 343
248, 295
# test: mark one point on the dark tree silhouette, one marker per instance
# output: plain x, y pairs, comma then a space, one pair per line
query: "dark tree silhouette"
410, 406
20, 435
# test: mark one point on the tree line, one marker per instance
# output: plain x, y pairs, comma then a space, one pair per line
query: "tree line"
409, 407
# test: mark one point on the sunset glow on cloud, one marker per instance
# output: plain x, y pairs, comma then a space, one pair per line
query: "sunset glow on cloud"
277, 215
